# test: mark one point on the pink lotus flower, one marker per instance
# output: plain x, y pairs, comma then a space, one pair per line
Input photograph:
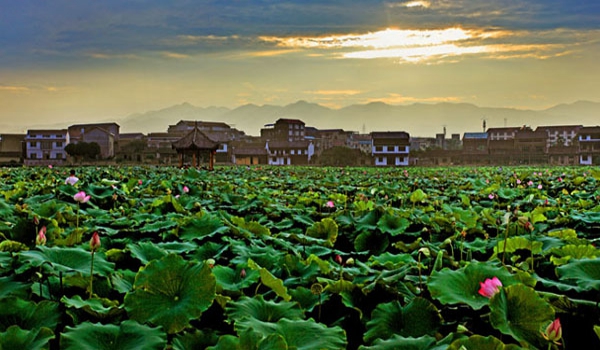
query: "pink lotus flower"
490, 287
530, 183
491, 196
185, 189
140, 182
553, 332
50, 166
95, 242
330, 204
540, 186
41, 237
518, 181
338, 259
81, 197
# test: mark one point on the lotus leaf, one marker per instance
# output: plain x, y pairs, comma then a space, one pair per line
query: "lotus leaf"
30, 339
371, 241
420, 317
270, 281
461, 286
481, 343
518, 311
567, 252
64, 259
170, 292
194, 340
405, 343
298, 334
263, 310
585, 273
392, 224
96, 307
325, 229
28, 314
10, 287
146, 251
207, 225
128, 335
231, 280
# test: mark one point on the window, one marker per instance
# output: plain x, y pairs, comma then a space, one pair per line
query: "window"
58, 144
292, 152
378, 148
32, 155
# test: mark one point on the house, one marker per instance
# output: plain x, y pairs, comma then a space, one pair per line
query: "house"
475, 148
284, 129
560, 135
390, 148
361, 142
530, 147
11, 148
106, 135
289, 152
131, 147
248, 152
160, 148
589, 145
501, 144
46, 147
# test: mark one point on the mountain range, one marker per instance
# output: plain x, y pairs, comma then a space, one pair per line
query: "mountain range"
417, 119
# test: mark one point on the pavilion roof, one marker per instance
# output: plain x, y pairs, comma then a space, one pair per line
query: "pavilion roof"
195, 139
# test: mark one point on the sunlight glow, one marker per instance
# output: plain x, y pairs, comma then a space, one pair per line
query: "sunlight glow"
424, 4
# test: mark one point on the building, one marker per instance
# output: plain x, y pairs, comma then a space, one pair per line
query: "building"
589, 145
248, 152
46, 147
560, 135
289, 152
475, 148
131, 147
284, 129
390, 148
530, 147
501, 144
11, 148
106, 135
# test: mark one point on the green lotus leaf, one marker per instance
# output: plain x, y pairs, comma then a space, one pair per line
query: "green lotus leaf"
585, 273
392, 224
270, 281
146, 251
31, 339
158, 226
95, 307
263, 254
518, 311
371, 241
262, 310
196, 339
566, 234
207, 225
461, 286
517, 243
231, 279
122, 280
250, 228
481, 343
597, 331
418, 196
392, 261
170, 292
28, 314
405, 343
247, 340
368, 221
65, 259
567, 252
407, 248
419, 317
10, 287
127, 335
12, 246
177, 247
5, 259
298, 334
326, 229
307, 299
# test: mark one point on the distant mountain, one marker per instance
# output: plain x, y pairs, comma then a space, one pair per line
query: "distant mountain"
418, 119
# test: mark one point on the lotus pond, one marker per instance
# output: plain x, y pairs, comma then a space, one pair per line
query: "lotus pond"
300, 258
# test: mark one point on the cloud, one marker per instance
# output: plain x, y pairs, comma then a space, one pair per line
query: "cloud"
394, 98
175, 55
334, 92
15, 89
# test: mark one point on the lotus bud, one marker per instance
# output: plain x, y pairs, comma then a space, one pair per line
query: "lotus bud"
211, 262
350, 261
490, 287
81, 197
186, 189
553, 332
95, 242
338, 259
36, 220
41, 237
243, 273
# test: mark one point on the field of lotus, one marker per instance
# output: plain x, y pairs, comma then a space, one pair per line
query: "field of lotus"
300, 258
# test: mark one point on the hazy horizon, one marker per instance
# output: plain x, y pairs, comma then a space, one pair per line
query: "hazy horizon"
87, 61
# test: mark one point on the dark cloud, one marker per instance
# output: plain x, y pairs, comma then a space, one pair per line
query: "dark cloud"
34, 28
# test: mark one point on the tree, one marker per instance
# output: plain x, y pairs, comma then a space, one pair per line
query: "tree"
83, 150
342, 156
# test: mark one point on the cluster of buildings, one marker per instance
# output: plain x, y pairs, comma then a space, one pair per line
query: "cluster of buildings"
291, 142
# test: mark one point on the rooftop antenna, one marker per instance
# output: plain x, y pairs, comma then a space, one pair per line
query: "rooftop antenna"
505, 122
364, 128
484, 123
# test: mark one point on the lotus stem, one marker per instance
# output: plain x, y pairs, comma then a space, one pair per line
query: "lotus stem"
505, 241
92, 275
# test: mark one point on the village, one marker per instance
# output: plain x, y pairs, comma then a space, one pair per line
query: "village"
291, 142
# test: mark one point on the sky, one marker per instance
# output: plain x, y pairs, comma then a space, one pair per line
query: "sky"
87, 60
